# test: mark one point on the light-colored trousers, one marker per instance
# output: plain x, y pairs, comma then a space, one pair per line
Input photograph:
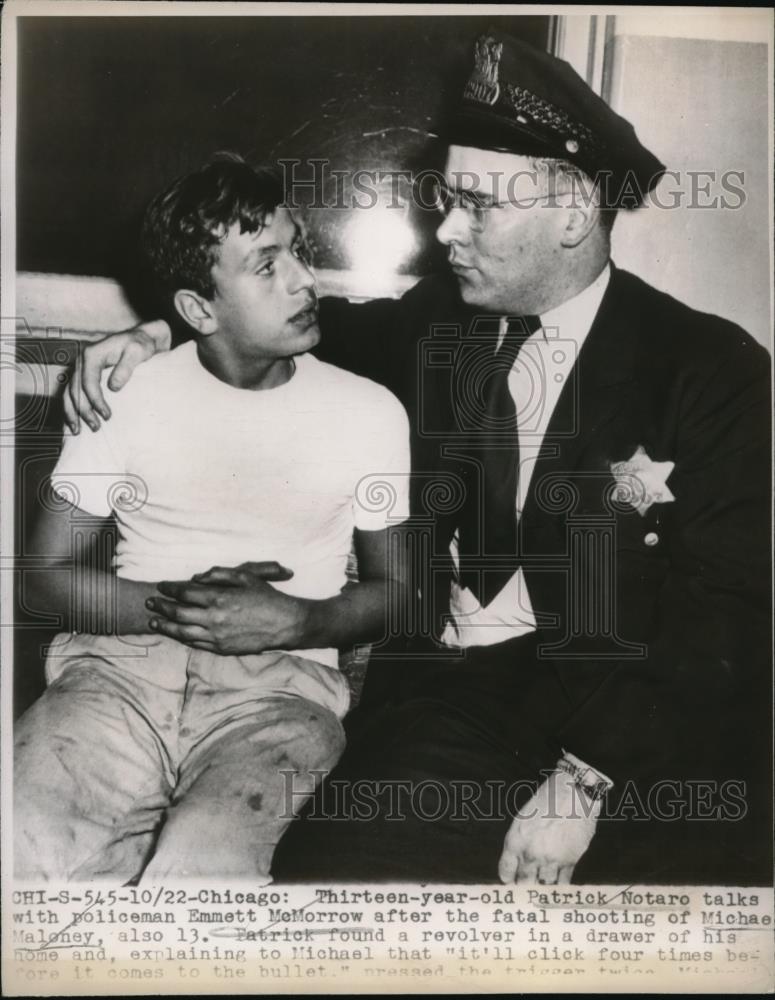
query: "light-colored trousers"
144, 756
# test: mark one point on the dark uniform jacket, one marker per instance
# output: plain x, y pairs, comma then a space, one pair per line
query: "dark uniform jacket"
654, 630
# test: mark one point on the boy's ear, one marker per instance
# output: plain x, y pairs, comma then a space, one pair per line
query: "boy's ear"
196, 310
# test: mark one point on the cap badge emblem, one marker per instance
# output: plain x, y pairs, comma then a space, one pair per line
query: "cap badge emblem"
483, 84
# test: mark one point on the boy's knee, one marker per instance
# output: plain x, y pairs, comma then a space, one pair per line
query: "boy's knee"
332, 738
321, 736
44, 832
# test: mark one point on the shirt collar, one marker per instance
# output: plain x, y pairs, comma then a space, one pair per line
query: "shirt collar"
573, 319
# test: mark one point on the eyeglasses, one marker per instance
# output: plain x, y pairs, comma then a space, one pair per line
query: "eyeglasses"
476, 206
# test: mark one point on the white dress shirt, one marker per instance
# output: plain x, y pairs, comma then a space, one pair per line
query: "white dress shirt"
535, 382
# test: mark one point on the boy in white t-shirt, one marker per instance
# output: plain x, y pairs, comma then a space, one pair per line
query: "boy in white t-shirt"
146, 756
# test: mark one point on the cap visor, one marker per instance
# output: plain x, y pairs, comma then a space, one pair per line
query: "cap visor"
489, 130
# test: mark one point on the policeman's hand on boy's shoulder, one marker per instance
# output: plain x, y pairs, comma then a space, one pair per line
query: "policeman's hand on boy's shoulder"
84, 399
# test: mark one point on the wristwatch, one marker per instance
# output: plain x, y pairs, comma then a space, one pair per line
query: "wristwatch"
587, 778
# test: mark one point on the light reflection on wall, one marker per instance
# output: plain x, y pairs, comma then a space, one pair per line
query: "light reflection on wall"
355, 93
379, 242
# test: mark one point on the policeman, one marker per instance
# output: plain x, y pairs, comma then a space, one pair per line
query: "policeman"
590, 481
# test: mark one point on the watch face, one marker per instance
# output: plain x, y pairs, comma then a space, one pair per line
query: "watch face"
596, 791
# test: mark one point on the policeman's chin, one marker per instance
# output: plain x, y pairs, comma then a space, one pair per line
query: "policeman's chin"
485, 296
471, 291
464, 283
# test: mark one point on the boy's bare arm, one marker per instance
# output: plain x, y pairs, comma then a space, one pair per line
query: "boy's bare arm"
68, 580
237, 611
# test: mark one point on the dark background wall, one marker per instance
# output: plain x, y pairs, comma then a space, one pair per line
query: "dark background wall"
112, 108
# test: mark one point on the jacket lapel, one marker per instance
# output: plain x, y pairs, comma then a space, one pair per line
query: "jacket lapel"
597, 390
598, 387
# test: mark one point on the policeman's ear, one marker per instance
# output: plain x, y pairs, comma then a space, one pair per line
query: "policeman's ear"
581, 218
196, 310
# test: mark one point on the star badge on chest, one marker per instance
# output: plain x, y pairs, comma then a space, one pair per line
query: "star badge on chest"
641, 482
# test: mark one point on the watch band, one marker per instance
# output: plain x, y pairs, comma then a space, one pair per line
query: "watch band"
588, 780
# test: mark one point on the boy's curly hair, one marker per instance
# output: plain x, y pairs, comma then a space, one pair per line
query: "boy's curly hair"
186, 223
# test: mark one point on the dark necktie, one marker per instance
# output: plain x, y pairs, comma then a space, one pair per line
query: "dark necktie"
488, 522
